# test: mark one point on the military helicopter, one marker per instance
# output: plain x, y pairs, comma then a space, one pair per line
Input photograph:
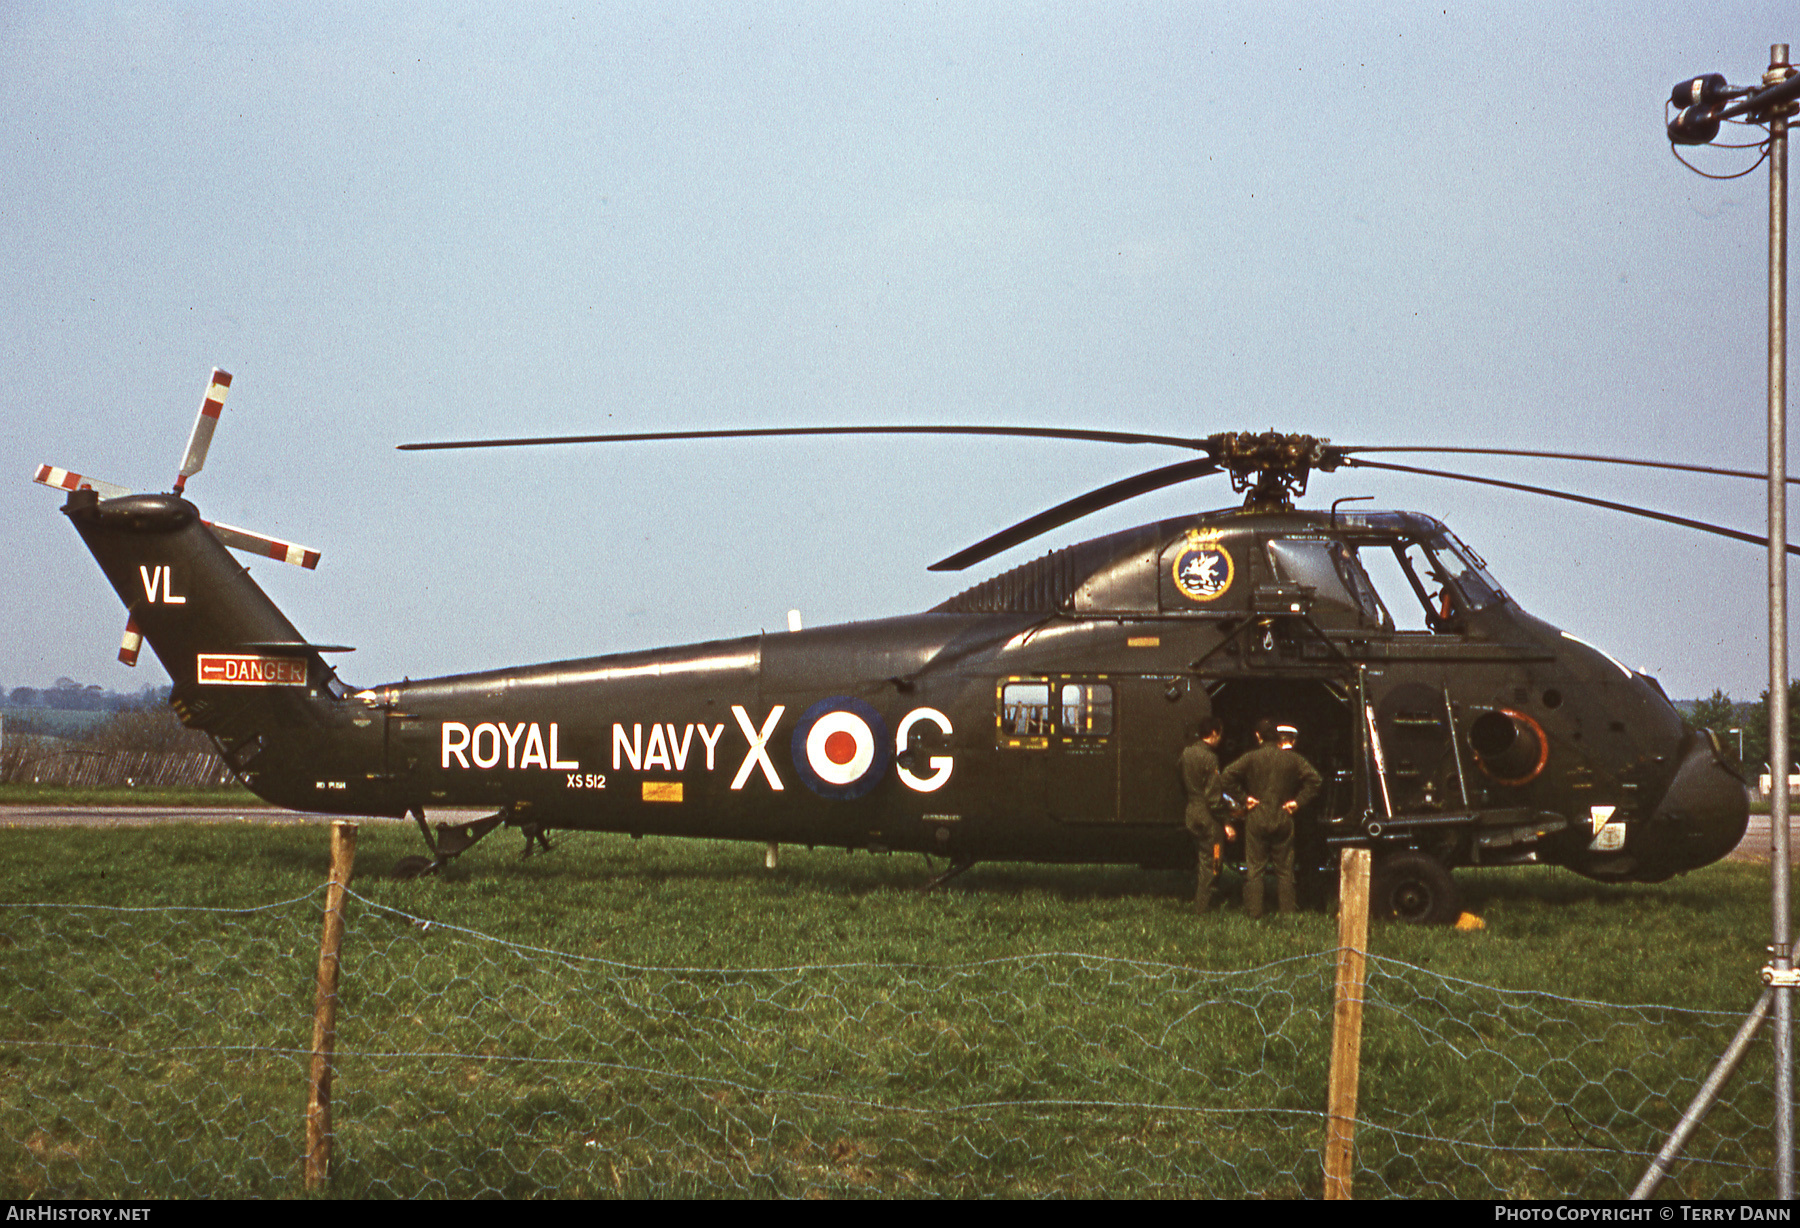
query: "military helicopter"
1036, 716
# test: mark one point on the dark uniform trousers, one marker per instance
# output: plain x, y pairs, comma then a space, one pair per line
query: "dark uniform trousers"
1205, 814
1274, 776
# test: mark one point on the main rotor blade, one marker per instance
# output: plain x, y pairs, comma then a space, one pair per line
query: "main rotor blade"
1610, 506
1075, 509
1034, 432
1574, 456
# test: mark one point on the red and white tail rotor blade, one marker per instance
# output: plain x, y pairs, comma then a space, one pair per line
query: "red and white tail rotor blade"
230, 535
236, 538
204, 424
268, 547
63, 479
132, 643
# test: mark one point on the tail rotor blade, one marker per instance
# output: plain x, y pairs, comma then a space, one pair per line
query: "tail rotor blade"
198, 442
268, 547
132, 644
204, 424
63, 479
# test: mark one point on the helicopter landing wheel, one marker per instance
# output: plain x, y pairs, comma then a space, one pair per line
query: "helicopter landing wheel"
413, 867
1415, 888
958, 865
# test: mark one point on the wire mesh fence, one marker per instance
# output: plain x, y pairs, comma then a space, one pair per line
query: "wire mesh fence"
162, 1052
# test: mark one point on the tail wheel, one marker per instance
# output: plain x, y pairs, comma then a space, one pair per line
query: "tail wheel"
412, 867
1417, 889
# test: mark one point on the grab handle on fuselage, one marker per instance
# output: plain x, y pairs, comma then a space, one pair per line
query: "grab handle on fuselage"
1387, 801
1462, 780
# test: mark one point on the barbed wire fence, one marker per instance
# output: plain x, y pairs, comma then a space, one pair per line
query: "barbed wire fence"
162, 1052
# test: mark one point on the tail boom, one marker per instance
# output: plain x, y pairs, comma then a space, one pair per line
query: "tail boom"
241, 671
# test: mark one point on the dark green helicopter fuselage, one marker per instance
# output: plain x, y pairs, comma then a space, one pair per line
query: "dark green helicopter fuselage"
1037, 716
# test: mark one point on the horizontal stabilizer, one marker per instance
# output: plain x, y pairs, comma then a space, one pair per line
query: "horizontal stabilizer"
297, 646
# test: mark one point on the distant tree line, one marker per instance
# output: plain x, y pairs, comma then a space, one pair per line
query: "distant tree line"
157, 730
1720, 714
148, 730
67, 695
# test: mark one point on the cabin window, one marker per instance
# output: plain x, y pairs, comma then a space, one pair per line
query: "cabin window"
1025, 710
1033, 711
1087, 710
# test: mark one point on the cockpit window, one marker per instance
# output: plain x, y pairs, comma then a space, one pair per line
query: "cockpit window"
1447, 579
1470, 572
1426, 575
1331, 570
1350, 567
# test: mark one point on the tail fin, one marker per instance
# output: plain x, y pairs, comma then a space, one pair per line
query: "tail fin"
241, 671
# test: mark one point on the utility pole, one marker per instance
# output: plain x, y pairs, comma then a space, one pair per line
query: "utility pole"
1705, 102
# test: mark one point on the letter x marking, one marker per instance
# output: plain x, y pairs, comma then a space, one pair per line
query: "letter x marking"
759, 742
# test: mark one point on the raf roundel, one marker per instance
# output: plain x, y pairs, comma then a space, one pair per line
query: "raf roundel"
841, 747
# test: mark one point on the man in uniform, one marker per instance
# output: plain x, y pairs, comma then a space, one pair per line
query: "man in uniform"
1207, 814
1275, 782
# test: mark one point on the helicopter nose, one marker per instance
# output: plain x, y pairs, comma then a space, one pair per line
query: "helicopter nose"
1702, 816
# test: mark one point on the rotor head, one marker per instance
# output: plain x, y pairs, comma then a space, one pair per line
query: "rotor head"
1271, 467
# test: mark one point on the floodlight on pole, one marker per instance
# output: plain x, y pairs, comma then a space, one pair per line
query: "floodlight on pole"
1705, 102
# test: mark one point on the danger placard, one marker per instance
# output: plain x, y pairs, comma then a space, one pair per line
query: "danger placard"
240, 669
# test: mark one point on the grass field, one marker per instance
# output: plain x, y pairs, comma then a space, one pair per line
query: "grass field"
668, 1017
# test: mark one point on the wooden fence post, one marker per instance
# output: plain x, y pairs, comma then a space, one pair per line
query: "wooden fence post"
318, 1099
1346, 1019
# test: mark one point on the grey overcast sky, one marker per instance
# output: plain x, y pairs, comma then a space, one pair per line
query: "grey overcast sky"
1379, 223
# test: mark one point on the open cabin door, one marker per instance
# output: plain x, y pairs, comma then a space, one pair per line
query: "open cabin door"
1325, 712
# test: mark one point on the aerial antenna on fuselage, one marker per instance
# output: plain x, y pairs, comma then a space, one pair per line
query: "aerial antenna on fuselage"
1347, 499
